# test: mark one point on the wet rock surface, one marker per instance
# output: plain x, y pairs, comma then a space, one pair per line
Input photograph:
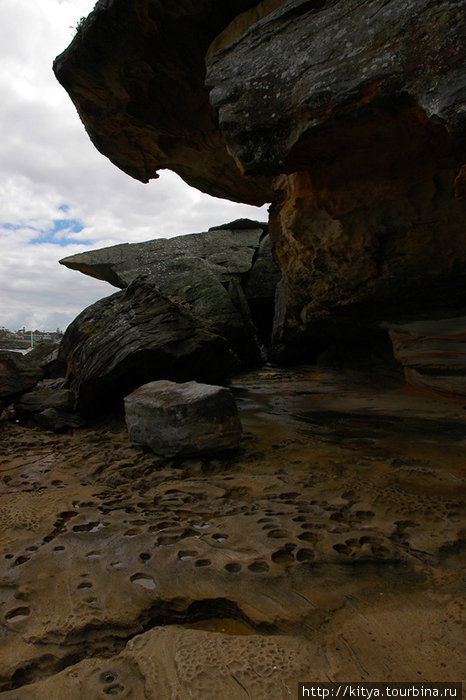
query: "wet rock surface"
354, 114
332, 541
183, 419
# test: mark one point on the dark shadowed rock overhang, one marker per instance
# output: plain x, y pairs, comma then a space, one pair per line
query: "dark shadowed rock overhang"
355, 111
135, 72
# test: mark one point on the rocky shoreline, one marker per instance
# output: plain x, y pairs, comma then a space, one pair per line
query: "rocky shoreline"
328, 546
327, 541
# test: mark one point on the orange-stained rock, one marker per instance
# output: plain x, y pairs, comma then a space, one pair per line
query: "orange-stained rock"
404, 253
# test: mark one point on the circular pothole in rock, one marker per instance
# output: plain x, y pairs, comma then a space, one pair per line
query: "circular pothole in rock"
278, 534
308, 537
143, 580
282, 557
84, 585
165, 540
201, 525
114, 689
183, 555
304, 555
144, 556
108, 677
219, 537
202, 562
132, 532
259, 567
17, 614
233, 568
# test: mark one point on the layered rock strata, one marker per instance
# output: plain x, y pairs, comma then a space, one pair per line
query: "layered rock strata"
359, 110
133, 337
135, 72
225, 276
433, 353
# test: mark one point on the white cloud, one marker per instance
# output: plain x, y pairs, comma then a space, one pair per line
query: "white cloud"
47, 161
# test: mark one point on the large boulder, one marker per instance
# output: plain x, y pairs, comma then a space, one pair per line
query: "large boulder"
176, 420
17, 375
215, 273
227, 250
135, 336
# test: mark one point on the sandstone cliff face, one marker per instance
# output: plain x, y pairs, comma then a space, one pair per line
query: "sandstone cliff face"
358, 108
349, 116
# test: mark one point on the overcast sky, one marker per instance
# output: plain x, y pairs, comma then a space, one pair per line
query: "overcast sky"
58, 194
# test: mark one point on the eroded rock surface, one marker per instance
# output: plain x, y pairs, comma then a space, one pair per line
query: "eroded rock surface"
359, 110
331, 541
225, 276
135, 336
183, 419
433, 353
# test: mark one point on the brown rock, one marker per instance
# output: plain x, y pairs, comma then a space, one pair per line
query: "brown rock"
334, 533
366, 137
357, 111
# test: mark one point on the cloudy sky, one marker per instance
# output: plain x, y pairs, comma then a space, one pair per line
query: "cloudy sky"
58, 195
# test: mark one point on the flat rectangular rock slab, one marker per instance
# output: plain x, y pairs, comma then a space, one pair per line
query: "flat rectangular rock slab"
183, 419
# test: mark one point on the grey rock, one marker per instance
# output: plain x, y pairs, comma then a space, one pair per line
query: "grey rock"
17, 375
46, 394
183, 419
50, 406
45, 355
264, 275
135, 336
203, 270
58, 420
227, 252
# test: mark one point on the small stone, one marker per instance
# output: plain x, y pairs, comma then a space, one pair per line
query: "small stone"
183, 419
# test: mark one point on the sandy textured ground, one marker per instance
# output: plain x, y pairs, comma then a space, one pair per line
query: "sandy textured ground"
330, 546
